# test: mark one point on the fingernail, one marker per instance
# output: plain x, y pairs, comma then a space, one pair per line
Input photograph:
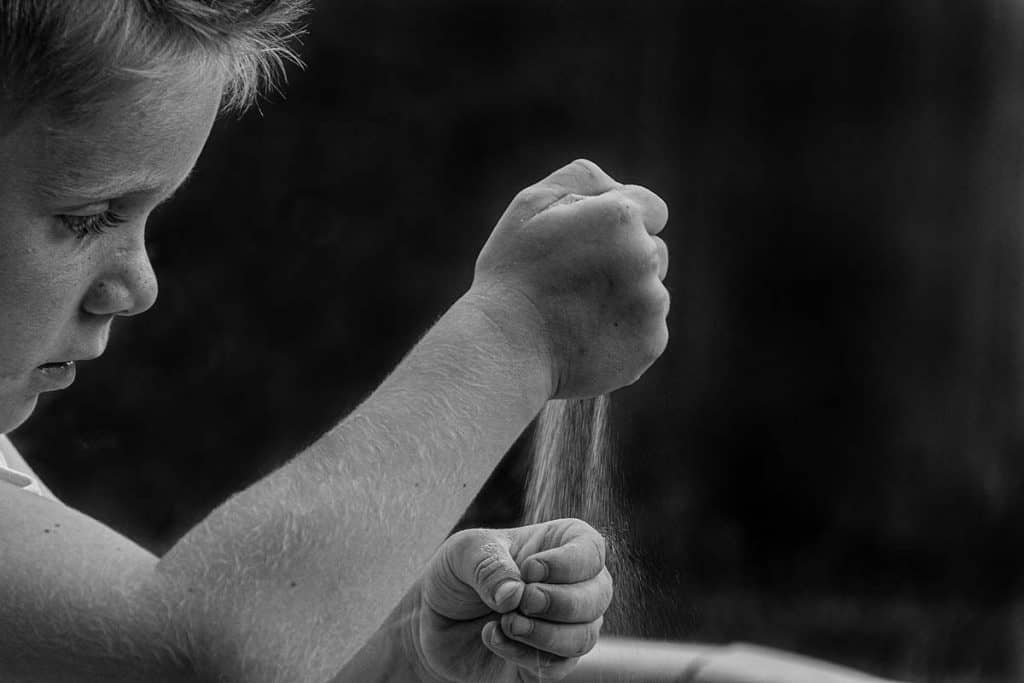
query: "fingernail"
494, 637
519, 626
505, 591
536, 602
535, 570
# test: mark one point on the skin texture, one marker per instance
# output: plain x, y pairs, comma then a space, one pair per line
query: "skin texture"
577, 237
455, 625
290, 578
559, 590
59, 294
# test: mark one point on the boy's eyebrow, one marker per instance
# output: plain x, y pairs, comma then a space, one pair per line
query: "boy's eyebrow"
66, 185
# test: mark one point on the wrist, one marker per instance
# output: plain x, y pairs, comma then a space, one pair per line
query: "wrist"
514, 323
393, 652
410, 647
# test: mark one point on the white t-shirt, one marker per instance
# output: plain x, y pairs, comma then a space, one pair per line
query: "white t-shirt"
9, 476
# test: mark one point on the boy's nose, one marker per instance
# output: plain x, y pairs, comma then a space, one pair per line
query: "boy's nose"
128, 287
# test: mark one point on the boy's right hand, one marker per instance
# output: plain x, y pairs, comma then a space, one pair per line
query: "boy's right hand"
574, 269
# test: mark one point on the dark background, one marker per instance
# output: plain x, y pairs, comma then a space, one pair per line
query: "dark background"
827, 458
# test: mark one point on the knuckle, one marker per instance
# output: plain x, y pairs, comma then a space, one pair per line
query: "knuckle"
468, 539
586, 167
529, 196
661, 245
658, 344
525, 195
642, 258
656, 337
577, 523
484, 551
485, 568
650, 199
647, 304
552, 536
625, 210
651, 259
662, 206
654, 301
663, 300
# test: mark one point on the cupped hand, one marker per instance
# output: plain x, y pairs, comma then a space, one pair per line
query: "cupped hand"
522, 604
574, 270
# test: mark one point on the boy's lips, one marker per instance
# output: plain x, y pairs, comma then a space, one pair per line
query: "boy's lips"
60, 374
56, 365
54, 376
75, 357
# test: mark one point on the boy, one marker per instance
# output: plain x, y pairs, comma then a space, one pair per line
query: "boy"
104, 109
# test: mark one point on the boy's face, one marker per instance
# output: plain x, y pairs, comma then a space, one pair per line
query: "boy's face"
73, 208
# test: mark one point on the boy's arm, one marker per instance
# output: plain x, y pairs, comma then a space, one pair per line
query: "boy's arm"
385, 657
308, 562
288, 579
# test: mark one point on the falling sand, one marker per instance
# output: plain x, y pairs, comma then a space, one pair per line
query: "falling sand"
574, 473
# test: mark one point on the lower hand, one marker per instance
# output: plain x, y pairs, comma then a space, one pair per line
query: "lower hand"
523, 604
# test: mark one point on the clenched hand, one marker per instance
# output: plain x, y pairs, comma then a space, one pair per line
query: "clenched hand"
504, 605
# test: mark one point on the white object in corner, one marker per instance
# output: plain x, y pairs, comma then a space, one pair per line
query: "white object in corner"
22, 481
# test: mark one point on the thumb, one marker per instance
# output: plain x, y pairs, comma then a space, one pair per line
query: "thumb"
476, 566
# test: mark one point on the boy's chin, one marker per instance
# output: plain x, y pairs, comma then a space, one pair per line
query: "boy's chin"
14, 412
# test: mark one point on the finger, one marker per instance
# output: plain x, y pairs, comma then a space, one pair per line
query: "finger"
539, 665
582, 176
638, 212
652, 207
475, 563
578, 556
650, 316
563, 640
661, 251
569, 603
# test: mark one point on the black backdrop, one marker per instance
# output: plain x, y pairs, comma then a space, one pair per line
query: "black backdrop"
827, 458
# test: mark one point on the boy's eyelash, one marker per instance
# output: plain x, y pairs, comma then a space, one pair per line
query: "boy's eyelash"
95, 224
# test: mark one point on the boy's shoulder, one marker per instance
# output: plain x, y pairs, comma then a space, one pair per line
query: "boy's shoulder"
71, 587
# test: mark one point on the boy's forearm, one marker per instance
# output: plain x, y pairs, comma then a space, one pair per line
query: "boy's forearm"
290, 577
381, 660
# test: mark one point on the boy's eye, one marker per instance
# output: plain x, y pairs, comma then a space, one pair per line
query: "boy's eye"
94, 224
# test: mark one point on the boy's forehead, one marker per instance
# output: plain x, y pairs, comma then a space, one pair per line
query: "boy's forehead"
136, 142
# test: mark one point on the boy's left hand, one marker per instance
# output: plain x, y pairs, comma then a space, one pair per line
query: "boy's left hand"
465, 628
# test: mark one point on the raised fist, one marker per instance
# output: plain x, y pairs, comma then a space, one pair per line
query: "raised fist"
574, 268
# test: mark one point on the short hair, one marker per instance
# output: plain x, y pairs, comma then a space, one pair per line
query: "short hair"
70, 55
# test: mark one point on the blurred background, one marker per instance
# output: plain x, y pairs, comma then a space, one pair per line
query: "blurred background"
827, 459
